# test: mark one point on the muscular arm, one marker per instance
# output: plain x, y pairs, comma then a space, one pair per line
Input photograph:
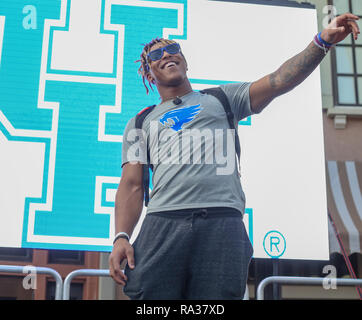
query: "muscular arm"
290, 74
295, 70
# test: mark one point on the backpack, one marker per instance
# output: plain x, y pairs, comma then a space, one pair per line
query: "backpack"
218, 93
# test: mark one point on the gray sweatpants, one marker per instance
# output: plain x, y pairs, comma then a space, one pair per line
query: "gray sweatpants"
190, 254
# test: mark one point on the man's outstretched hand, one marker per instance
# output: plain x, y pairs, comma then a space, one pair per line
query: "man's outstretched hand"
340, 27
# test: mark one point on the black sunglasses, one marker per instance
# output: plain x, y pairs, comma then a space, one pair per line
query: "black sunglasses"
157, 54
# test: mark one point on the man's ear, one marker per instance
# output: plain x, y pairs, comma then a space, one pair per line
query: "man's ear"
187, 67
150, 78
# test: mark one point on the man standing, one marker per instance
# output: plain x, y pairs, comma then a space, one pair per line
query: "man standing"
193, 243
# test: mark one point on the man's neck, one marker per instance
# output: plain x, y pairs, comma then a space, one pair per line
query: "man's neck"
169, 93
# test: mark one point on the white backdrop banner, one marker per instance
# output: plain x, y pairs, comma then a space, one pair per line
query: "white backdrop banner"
69, 85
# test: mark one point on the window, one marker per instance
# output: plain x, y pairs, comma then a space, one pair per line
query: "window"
66, 257
16, 254
347, 60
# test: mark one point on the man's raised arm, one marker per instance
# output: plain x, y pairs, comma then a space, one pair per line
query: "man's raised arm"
295, 70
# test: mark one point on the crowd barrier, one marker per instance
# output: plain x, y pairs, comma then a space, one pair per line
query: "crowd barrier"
99, 273
303, 280
81, 272
37, 270
62, 290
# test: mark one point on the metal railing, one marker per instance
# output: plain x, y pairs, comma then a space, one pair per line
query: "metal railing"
303, 280
99, 273
81, 272
37, 270
62, 290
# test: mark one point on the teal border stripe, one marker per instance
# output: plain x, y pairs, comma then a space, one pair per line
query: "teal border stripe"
245, 122
64, 246
210, 82
102, 31
249, 212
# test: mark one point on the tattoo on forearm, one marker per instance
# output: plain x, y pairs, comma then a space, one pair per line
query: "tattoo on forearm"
297, 69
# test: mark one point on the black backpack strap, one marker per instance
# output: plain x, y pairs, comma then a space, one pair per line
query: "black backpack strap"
142, 115
146, 167
218, 93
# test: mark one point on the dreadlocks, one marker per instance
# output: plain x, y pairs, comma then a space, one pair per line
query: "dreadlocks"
144, 68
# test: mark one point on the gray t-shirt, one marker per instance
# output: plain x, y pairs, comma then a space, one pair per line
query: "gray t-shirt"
192, 151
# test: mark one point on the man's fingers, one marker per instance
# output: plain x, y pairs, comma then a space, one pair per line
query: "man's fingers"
120, 277
121, 250
347, 16
355, 29
346, 23
343, 20
130, 257
115, 270
117, 275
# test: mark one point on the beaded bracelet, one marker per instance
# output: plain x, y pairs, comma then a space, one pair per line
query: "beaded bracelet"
319, 42
327, 44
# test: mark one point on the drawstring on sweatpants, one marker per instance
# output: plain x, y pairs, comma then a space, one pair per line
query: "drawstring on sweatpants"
199, 213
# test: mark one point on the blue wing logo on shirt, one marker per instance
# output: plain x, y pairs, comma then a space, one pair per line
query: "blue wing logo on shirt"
175, 119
